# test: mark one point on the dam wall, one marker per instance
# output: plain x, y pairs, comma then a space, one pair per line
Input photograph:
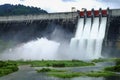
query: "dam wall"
111, 43
113, 27
24, 28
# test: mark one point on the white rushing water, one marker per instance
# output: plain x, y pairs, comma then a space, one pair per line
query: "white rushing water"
34, 50
87, 43
101, 36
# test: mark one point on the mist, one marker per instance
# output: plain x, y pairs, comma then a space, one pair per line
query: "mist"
53, 46
33, 50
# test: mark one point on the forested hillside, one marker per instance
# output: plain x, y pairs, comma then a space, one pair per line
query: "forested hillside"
8, 9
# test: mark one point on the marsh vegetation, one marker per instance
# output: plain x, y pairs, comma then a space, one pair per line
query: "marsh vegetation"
69, 74
60, 68
7, 67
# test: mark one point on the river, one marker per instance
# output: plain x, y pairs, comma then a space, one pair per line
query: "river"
26, 72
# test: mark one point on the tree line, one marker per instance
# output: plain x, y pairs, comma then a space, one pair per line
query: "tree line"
8, 9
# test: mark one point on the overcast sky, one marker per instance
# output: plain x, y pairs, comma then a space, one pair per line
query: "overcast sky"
65, 5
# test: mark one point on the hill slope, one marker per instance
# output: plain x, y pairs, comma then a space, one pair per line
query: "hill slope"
8, 9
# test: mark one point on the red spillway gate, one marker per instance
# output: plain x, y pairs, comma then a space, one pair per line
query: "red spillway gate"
93, 12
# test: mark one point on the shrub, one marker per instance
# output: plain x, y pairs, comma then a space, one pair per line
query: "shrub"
65, 74
7, 67
44, 70
13, 68
58, 65
99, 74
117, 61
75, 60
113, 68
2, 64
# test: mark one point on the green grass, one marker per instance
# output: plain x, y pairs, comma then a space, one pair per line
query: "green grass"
100, 74
49, 70
7, 67
98, 60
65, 74
115, 68
59, 73
104, 60
117, 61
54, 63
69, 74
62, 63
78, 74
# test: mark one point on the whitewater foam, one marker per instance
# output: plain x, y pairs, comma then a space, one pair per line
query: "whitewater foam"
87, 43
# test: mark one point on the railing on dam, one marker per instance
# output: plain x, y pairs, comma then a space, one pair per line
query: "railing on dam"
49, 16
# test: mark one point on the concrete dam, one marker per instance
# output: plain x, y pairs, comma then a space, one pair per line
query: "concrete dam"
33, 26
81, 29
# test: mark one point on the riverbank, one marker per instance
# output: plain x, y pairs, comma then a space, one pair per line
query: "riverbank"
28, 72
7, 67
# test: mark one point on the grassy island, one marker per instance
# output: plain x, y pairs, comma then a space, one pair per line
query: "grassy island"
61, 63
7, 67
69, 74
54, 63
104, 60
115, 68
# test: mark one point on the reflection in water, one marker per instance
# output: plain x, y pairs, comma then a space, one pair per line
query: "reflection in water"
113, 78
88, 78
